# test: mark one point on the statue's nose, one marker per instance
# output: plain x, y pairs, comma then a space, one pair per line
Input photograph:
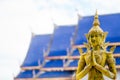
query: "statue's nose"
93, 38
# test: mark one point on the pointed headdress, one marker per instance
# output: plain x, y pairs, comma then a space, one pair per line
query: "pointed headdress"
96, 29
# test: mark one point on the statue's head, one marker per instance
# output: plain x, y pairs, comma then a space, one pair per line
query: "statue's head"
96, 36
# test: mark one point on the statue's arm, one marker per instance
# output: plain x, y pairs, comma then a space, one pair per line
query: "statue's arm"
82, 70
111, 64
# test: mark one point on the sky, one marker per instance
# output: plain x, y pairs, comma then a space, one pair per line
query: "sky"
20, 18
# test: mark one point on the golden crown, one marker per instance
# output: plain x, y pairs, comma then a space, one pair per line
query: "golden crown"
96, 25
96, 28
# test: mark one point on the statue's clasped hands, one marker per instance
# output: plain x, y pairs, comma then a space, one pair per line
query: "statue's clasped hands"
93, 60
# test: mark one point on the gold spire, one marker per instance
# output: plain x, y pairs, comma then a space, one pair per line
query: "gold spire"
96, 20
96, 25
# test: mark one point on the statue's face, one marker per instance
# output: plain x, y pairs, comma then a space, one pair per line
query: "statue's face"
95, 39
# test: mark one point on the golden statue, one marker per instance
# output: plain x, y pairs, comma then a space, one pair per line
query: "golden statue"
94, 60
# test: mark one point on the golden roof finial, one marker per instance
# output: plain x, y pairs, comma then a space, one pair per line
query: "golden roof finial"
96, 20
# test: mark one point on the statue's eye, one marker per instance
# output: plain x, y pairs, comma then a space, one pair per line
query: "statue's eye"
92, 36
96, 35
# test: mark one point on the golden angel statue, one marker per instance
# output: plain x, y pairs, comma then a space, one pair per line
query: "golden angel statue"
94, 60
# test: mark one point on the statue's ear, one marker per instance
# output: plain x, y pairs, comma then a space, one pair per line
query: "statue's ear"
104, 36
106, 33
86, 36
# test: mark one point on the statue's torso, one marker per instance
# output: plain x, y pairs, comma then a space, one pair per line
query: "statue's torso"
100, 57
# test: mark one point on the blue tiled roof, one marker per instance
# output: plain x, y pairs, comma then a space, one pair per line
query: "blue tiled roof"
35, 52
61, 40
56, 74
117, 49
109, 23
62, 36
117, 60
58, 53
54, 63
27, 74
75, 53
74, 63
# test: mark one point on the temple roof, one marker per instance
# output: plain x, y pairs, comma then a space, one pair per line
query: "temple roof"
60, 46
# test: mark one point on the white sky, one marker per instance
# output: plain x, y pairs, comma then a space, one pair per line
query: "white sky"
19, 17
